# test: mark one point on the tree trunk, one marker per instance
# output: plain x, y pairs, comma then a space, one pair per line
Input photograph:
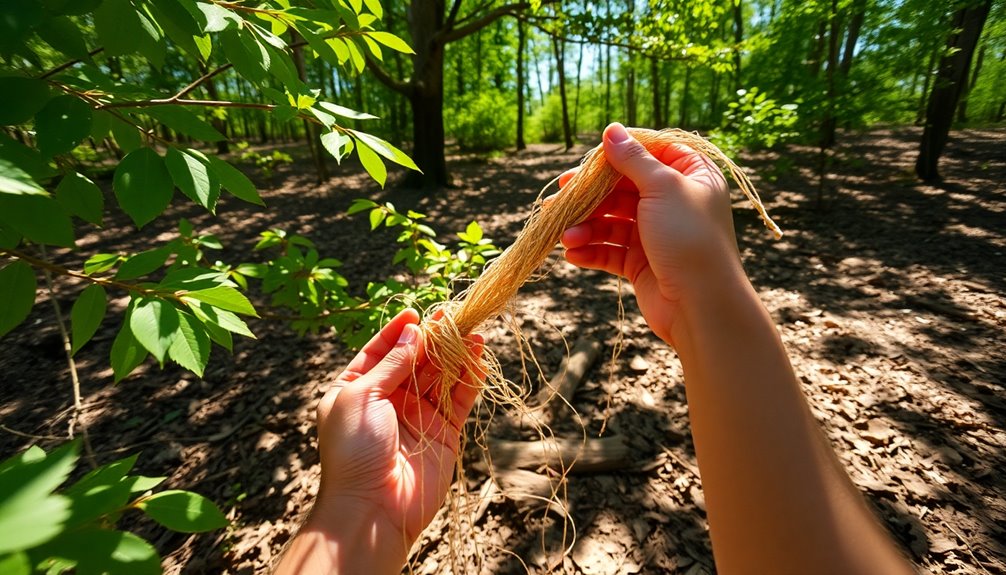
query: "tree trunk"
818, 49
921, 113
827, 139
520, 85
683, 111
950, 80
855, 25
962, 109
428, 135
310, 134
658, 118
576, 97
558, 49
738, 38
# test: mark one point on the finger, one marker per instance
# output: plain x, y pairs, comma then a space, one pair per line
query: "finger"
396, 367
466, 392
633, 161
566, 176
613, 231
599, 257
379, 345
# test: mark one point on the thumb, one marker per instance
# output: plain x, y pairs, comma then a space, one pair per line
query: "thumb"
395, 367
634, 161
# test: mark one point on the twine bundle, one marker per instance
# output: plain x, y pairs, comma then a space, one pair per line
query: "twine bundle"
496, 288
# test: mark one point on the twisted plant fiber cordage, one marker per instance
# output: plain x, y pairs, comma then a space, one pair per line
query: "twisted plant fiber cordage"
495, 289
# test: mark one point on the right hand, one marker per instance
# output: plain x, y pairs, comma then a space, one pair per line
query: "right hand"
667, 227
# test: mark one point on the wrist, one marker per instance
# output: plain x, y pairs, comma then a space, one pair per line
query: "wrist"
355, 535
711, 301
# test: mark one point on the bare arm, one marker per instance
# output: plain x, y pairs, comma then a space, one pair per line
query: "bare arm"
778, 500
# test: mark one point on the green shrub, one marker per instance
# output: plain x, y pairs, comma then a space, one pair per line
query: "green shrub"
483, 121
546, 121
754, 121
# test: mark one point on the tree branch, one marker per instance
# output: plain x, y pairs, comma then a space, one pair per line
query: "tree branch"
199, 81
402, 87
66, 65
450, 35
453, 15
182, 102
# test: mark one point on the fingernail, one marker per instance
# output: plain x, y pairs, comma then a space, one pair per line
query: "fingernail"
617, 133
408, 335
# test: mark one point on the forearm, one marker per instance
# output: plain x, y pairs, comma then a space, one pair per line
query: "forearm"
344, 538
777, 498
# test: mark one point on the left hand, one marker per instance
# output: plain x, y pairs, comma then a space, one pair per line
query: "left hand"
385, 445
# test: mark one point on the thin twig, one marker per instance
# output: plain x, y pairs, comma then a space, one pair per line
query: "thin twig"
66, 65
29, 435
48, 267
74, 379
199, 81
183, 102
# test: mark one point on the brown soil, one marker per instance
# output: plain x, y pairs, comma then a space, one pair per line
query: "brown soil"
888, 293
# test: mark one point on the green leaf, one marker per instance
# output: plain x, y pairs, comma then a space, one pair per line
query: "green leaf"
235, 182
376, 217
110, 20
80, 197
372, 163
185, 122
391, 41
29, 514
218, 18
93, 551
154, 323
387, 150
474, 233
375, 7
15, 564
360, 205
39, 218
17, 292
100, 263
337, 144
14, 180
224, 297
126, 136
127, 353
220, 317
193, 177
23, 98
141, 483
62, 124
62, 34
250, 59
346, 112
86, 315
104, 475
143, 263
183, 511
191, 348
25, 158
17, 20
142, 185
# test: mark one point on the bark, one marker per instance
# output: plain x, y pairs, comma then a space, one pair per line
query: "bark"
738, 38
855, 25
431, 28
827, 139
521, 40
921, 113
559, 50
814, 62
576, 98
658, 118
962, 109
310, 133
683, 111
948, 85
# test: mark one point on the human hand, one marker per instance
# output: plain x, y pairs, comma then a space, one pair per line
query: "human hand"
388, 451
667, 227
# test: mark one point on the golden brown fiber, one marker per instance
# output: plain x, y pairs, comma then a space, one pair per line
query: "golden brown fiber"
495, 289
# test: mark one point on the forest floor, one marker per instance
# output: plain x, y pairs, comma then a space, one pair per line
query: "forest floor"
889, 294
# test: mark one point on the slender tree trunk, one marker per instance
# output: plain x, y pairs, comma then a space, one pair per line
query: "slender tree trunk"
658, 118
738, 39
607, 73
576, 98
950, 81
714, 100
310, 134
558, 49
521, 40
962, 108
828, 124
818, 48
855, 25
683, 112
921, 110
